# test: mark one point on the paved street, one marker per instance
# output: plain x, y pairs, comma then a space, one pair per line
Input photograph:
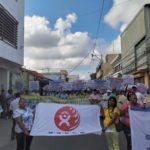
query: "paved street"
86, 142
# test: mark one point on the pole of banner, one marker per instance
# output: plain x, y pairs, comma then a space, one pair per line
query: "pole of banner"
126, 89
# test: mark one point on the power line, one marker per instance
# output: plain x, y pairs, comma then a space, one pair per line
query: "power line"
99, 23
97, 31
80, 62
100, 19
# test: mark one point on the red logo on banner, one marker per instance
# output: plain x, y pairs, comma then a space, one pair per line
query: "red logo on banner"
67, 118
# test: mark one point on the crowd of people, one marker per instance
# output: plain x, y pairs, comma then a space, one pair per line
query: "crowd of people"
115, 112
113, 107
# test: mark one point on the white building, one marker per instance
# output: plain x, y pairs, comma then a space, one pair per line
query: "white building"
11, 39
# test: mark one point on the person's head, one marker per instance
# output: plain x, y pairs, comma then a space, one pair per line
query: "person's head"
17, 95
109, 92
10, 91
2, 91
112, 102
132, 98
134, 88
22, 103
95, 91
122, 92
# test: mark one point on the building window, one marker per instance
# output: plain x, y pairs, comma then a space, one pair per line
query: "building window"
8, 27
139, 80
140, 53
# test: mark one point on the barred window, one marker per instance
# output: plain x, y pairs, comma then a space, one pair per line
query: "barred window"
8, 27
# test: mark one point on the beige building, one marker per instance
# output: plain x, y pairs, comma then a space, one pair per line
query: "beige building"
116, 64
104, 70
135, 46
72, 78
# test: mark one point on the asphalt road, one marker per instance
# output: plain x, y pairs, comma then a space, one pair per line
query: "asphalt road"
84, 142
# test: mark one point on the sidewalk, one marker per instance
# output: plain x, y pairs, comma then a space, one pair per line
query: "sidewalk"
5, 129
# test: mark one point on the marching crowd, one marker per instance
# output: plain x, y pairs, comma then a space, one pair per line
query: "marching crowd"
115, 114
113, 105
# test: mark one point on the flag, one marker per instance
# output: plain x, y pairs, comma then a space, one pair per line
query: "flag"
65, 119
140, 128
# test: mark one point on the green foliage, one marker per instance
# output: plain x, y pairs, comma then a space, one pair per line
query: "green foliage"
52, 99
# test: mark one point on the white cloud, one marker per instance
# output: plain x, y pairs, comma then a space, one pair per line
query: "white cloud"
119, 16
115, 46
122, 12
38, 34
58, 47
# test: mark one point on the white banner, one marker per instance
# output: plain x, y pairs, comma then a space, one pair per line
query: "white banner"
64, 120
33, 85
128, 79
140, 128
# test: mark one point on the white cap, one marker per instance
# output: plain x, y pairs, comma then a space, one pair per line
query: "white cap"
109, 91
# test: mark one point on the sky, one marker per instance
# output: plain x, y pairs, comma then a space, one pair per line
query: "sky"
63, 34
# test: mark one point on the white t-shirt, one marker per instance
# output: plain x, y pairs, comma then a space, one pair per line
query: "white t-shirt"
94, 97
14, 104
140, 98
106, 97
26, 116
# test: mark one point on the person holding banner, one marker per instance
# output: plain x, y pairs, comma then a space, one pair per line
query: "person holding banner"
111, 113
132, 98
141, 99
24, 120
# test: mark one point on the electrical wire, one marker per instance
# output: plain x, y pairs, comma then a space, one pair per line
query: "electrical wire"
94, 46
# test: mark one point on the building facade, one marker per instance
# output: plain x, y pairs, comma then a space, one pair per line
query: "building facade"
116, 64
57, 76
135, 46
20, 80
104, 70
11, 39
72, 78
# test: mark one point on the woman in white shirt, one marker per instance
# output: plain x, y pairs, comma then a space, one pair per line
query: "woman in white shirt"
24, 120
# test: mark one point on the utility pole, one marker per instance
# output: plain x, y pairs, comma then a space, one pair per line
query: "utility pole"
113, 47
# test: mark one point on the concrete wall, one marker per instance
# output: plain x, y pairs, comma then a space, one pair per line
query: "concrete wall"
4, 79
147, 24
16, 8
10, 57
110, 57
107, 70
129, 38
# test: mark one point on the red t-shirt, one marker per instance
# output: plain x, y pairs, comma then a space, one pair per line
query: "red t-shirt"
125, 117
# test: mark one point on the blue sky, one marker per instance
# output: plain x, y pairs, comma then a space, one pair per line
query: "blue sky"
60, 33
88, 14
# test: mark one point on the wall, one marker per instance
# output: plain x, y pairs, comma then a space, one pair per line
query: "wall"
4, 75
147, 24
129, 38
16, 8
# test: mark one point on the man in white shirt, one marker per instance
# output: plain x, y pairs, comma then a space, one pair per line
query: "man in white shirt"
13, 107
94, 97
107, 95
